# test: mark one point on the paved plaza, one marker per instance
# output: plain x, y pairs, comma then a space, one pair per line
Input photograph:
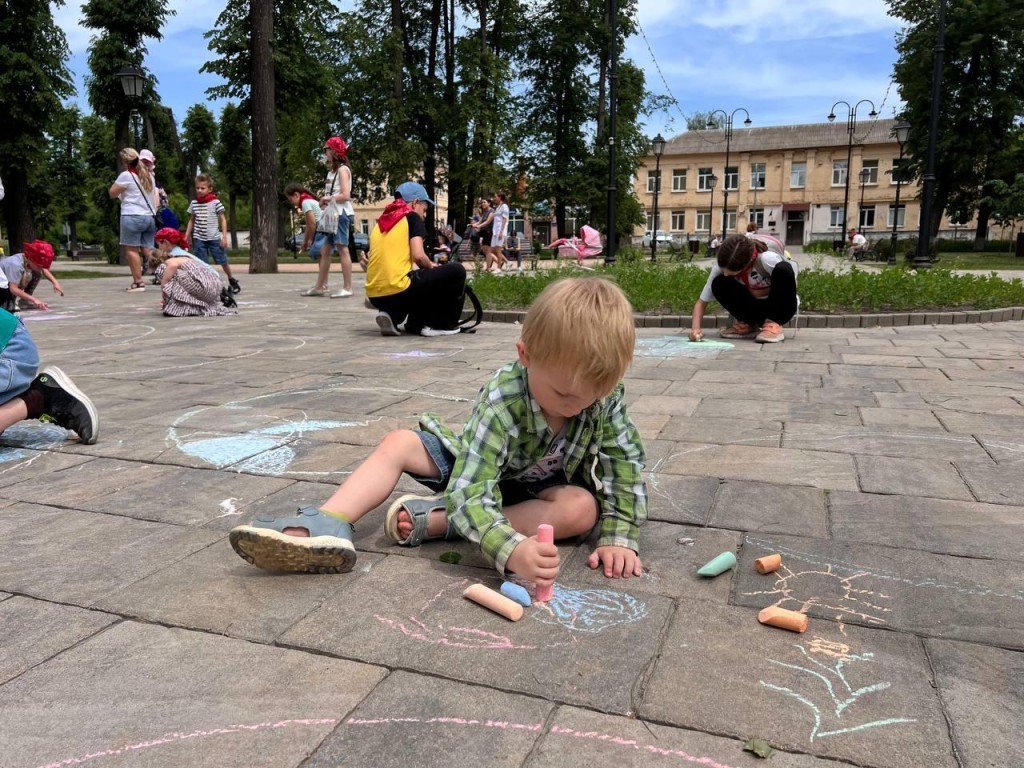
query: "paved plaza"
884, 465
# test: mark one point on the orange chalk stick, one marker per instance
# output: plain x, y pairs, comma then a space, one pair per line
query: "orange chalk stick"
768, 563
495, 601
774, 616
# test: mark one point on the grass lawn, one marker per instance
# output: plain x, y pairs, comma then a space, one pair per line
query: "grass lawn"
980, 261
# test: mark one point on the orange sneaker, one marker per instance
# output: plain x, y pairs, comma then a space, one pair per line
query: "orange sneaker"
771, 332
738, 330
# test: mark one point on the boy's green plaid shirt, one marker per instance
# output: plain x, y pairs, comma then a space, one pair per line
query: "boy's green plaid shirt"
506, 435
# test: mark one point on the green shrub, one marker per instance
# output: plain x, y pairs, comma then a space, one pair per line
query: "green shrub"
818, 246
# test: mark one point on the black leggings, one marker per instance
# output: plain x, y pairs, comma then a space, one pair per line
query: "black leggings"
779, 305
433, 299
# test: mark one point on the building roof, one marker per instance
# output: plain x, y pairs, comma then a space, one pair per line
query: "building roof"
782, 137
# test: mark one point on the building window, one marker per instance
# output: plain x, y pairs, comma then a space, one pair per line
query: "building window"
364, 226
871, 166
839, 173
678, 221
679, 180
895, 176
653, 179
704, 179
756, 216
732, 178
901, 215
798, 175
703, 221
837, 216
650, 221
730, 221
867, 218
757, 175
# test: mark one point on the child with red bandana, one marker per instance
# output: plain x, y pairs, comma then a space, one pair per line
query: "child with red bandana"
207, 228
22, 272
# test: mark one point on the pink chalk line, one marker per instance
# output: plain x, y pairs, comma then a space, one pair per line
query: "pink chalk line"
170, 738
555, 729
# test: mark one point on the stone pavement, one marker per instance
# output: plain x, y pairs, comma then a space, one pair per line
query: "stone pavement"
884, 465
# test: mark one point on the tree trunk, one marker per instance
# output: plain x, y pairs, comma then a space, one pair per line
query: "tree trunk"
17, 213
263, 237
232, 227
981, 233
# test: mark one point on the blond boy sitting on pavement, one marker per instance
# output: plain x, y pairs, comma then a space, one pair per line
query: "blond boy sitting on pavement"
548, 441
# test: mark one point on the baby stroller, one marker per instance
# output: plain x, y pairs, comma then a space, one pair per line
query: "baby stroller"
588, 244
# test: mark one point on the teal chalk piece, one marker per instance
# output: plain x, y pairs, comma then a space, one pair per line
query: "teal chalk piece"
719, 565
517, 593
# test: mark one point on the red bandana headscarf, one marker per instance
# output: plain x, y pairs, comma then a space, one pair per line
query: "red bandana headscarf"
39, 252
337, 145
172, 236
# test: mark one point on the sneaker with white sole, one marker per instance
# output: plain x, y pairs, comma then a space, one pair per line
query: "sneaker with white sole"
738, 330
314, 291
428, 331
386, 325
66, 405
771, 332
342, 294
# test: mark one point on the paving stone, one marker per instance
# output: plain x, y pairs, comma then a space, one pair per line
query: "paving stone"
412, 614
34, 631
676, 499
982, 690
148, 696
18, 465
580, 737
997, 484
661, 404
911, 477
722, 430
898, 589
109, 552
778, 410
770, 508
897, 418
1005, 450
845, 695
973, 424
961, 528
904, 361
787, 467
415, 720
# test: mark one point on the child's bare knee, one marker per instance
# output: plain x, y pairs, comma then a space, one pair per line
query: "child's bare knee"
581, 510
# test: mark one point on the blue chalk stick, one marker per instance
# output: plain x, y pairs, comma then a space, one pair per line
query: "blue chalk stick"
516, 592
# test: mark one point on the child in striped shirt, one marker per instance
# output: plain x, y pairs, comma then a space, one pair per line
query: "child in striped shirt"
207, 228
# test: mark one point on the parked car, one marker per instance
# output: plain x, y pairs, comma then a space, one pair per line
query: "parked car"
661, 237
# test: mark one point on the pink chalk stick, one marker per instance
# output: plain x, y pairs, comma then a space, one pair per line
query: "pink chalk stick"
545, 535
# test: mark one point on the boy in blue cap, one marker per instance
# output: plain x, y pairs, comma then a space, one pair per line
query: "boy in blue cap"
429, 299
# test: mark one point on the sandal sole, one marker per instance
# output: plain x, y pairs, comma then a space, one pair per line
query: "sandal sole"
273, 551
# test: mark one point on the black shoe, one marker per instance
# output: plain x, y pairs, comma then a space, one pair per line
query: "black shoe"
66, 405
235, 287
227, 299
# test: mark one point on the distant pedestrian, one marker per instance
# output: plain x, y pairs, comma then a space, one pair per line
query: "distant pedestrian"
207, 229
858, 243
136, 190
513, 250
308, 206
338, 195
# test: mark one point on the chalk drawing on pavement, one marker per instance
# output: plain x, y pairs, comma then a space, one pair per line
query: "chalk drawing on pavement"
679, 346
823, 686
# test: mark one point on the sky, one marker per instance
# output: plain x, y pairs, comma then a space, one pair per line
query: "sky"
784, 61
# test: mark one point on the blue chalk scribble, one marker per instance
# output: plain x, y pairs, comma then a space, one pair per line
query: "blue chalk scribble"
679, 346
591, 610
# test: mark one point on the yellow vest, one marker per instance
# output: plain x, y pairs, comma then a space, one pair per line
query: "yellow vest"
390, 263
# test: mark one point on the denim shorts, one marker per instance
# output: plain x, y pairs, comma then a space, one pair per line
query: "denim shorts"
512, 491
19, 363
318, 243
138, 231
207, 249
340, 238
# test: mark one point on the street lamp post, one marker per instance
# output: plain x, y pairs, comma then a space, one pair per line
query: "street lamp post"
851, 126
133, 83
728, 144
864, 174
657, 147
712, 181
901, 132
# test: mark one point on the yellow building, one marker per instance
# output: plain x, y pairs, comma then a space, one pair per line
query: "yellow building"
790, 180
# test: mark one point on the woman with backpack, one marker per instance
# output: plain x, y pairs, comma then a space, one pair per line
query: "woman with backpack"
755, 282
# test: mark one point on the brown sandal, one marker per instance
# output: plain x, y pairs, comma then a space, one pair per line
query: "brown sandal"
136, 286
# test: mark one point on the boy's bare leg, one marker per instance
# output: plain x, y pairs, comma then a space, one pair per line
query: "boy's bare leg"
11, 412
571, 510
374, 480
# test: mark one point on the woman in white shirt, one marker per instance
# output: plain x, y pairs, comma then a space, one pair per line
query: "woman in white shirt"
137, 192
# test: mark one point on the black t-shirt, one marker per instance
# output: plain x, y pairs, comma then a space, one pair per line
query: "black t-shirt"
417, 227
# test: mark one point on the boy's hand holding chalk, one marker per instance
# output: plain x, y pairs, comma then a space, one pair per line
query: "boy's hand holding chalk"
535, 561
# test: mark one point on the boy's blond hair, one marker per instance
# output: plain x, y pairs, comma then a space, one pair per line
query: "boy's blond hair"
205, 178
584, 325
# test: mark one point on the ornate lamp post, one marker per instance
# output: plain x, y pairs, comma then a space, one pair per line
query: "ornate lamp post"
728, 143
901, 132
657, 147
851, 126
864, 174
712, 181
133, 83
